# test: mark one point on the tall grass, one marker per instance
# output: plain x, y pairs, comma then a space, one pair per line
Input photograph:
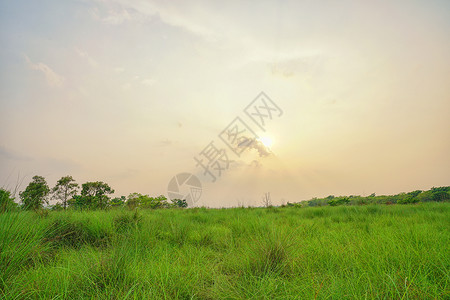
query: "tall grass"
366, 252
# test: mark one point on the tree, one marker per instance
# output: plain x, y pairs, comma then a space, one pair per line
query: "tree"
266, 200
95, 194
65, 189
414, 194
134, 200
35, 193
339, 201
118, 201
6, 201
154, 202
79, 202
145, 201
179, 203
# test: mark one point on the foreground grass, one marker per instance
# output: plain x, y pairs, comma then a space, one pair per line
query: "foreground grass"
346, 252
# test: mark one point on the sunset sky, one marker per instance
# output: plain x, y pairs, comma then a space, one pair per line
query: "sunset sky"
129, 92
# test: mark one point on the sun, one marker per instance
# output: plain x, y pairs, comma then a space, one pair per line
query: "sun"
266, 141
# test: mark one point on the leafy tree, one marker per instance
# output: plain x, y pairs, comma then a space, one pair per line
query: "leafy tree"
155, 202
118, 201
95, 194
57, 207
35, 193
339, 201
65, 189
79, 202
179, 203
414, 194
440, 193
408, 200
134, 200
145, 201
6, 201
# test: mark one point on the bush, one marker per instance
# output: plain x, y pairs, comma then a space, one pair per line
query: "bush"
6, 201
440, 196
124, 222
338, 201
65, 232
408, 200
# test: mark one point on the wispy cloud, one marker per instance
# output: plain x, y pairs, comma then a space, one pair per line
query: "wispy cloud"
118, 11
148, 81
112, 16
13, 155
119, 70
297, 64
257, 145
53, 79
86, 56
262, 150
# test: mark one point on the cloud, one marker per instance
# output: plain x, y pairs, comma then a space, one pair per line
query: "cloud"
166, 142
262, 150
118, 11
53, 79
254, 144
112, 16
11, 155
126, 86
302, 64
148, 81
86, 56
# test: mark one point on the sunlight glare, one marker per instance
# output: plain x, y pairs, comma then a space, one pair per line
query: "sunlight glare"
266, 141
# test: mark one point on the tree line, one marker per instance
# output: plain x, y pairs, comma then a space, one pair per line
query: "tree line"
67, 193
437, 194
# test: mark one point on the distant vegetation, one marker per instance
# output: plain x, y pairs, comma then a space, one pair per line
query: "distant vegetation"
67, 193
96, 195
437, 194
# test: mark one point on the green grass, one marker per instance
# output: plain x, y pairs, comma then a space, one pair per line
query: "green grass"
344, 252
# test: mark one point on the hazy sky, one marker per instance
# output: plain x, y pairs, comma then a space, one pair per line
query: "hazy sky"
129, 92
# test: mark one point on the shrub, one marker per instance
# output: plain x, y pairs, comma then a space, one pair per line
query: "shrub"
71, 233
124, 222
6, 201
338, 201
408, 200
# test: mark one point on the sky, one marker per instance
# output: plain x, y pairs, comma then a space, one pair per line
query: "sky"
132, 93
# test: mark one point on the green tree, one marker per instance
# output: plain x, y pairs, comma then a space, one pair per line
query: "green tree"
95, 194
145, 201
339, 201
79, 202
414, 194
134, 200
6, 201
65, 189
35, 194
154, 202
440, 193
179, 203
118, 201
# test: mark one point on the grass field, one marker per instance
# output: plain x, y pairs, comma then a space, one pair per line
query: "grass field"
344, 252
